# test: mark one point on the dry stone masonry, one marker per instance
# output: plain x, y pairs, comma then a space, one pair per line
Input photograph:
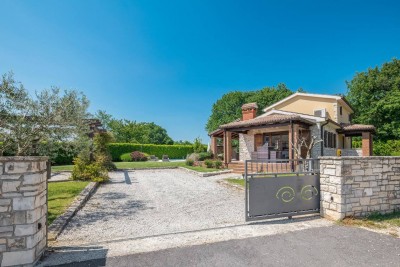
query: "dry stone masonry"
358, 186
23, 210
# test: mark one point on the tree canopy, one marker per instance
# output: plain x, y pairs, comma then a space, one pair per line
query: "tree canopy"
229, 107
50, 115
375, 96
126, 131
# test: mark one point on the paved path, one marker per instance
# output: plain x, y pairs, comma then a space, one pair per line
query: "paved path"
331, 245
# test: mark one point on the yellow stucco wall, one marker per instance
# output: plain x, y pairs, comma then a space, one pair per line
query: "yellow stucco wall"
308, 104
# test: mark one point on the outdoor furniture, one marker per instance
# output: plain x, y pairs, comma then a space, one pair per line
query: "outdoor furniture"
165, 158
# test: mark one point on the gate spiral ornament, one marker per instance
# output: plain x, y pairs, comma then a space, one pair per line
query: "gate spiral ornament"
285, 194
308, 192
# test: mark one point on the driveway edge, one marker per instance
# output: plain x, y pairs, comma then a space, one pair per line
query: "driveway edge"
205, 174
59, 224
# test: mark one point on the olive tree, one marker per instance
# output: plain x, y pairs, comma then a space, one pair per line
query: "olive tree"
48, 116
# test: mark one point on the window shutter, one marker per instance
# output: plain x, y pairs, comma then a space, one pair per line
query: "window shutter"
258, 141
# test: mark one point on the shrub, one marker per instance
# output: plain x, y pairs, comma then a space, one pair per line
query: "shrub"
218, 164
88, 171
194, 157
205, 155
94, 163
209, 163
126, 157
198, 147
189, 162
138, 156
173, 151
101, 153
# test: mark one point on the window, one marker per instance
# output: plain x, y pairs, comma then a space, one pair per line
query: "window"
329, 140
341, 111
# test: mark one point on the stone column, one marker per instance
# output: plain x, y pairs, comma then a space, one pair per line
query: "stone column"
23, 210
214, 148
366, 144
228, 149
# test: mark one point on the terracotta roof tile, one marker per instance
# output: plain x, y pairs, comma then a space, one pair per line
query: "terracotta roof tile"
357, 127
262, 121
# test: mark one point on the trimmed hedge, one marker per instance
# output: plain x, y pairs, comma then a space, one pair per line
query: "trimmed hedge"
173, 151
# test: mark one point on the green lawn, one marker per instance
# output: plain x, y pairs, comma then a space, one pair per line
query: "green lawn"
142, 164
62, 168
236, 181
148, 164
201, 169
61, 195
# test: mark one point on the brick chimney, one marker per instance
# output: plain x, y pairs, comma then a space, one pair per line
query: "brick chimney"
249, 111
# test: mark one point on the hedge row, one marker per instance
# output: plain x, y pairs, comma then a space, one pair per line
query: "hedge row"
173, 151
388, 148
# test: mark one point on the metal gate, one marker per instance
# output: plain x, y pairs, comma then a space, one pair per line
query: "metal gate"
281, 188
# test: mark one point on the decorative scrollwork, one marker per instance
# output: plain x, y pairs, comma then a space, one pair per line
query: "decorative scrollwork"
285, 194
308, 192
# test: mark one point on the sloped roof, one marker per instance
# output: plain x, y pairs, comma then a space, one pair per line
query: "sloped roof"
263, 120
357, 127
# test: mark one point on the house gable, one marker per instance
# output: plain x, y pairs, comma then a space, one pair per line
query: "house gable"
309, 103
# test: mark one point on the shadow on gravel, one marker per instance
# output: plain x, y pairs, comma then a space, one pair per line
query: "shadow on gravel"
115, 207
75, 256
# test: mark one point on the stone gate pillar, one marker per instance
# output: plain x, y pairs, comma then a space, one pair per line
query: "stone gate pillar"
23, 210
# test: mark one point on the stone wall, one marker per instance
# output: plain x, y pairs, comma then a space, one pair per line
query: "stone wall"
246, 146
358, 186
351, 152
23, 209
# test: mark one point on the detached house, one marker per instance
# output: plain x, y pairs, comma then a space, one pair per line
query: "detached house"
271, 136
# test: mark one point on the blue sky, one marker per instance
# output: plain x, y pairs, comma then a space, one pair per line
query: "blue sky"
169, 61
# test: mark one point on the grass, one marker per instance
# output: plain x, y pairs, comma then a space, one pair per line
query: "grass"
148, 164
201, 169
62, 168
236, 181
61, 195
376, 221
142, 164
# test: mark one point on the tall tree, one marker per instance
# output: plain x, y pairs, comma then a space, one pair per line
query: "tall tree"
375, 96
228, 107
48, 116
126, 131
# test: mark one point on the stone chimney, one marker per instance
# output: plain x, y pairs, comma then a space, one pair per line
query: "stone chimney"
249, 111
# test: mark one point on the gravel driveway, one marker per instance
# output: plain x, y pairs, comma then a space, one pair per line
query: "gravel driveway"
154, 202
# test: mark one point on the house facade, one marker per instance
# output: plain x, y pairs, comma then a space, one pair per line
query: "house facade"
277, 133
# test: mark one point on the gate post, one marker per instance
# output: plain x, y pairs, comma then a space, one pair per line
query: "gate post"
23, 210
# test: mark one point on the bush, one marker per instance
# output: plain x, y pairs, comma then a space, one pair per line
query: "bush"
209, 163
193, 156
218, 164
189, 162
138, 156
198, 147
126, 157
173, 151
205, 155
85, 171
